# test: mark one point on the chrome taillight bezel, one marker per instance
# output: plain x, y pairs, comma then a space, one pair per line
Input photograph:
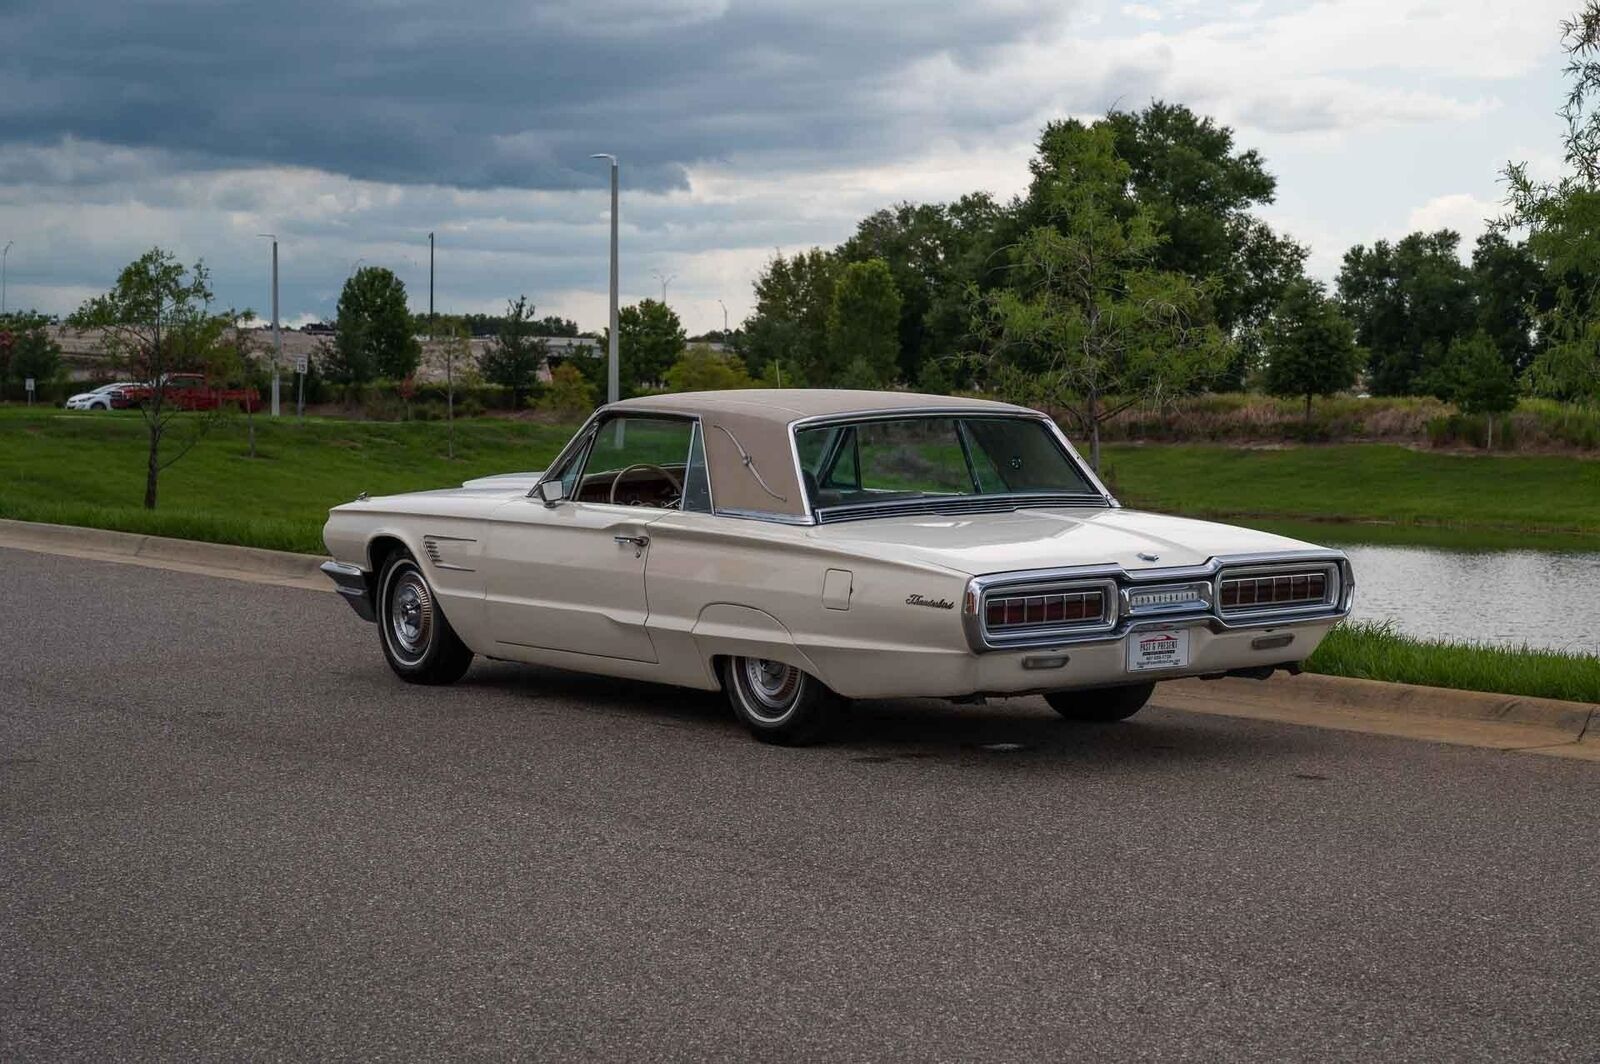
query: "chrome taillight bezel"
1332, 589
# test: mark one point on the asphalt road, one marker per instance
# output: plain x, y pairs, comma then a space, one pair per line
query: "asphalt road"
227, 831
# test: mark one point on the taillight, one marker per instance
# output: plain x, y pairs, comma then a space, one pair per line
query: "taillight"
1273, 590
1052, 609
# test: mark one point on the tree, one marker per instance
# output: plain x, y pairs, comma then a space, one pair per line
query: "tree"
568, 392
517, 354
376, 335
27, 350
1310, 347
1408, 301
864, 326
790, 323
650, 339
700, 369
933, 252
1199, 191
1511, 294
1485, 382
1087, 323
157, 320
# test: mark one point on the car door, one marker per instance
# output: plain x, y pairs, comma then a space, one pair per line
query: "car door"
570, 576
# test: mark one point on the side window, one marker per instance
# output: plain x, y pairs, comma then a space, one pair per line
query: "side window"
636, 461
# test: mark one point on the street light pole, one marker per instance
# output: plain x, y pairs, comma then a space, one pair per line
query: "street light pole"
3, 256
612, 390
277, 337
430, 286
724, 307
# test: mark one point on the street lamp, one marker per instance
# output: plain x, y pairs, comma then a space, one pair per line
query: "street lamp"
724, 307
277, 337
3, 256
611, 367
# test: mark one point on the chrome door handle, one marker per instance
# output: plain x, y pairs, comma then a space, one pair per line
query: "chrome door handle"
638, 543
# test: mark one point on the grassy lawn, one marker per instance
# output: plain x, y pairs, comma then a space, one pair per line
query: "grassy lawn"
1375, 652
88, 469
1380, 493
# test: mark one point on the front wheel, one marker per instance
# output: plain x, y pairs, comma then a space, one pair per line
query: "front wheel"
418, 642
778, 702
1101, 704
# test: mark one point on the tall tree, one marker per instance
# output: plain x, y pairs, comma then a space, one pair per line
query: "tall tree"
376, 334
1408, 301
155, 321
517, 354
863, 326
933, 252
1088, 323
650, 339
789, 325
1199, 192
1511, 293
1310, 347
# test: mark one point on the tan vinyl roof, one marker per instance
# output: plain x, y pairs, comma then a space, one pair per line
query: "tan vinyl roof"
783, 405
746, 434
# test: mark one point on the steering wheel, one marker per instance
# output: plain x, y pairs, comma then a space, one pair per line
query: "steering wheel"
677, 486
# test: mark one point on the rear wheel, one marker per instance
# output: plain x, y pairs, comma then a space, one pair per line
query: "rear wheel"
418, 642
1101, 704
779, 703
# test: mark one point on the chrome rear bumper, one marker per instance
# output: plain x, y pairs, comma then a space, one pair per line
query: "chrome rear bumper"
351, 582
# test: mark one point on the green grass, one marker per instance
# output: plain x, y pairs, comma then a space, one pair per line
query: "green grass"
1375, 652
1378, 493
88, 469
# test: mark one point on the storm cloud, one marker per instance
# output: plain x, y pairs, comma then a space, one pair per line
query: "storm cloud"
487, 94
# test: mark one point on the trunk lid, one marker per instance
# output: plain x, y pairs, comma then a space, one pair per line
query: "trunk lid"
979, 544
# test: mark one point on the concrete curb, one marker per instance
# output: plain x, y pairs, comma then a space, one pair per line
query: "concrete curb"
1436, 714
1433, 714
251, 564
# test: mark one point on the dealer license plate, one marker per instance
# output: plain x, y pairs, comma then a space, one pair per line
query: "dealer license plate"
1158, 649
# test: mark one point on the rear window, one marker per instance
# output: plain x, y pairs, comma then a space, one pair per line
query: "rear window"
887, 460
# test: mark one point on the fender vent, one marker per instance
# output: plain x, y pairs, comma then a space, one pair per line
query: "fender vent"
435, 546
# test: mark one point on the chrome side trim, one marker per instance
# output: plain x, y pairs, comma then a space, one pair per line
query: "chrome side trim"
351, 582
1341, 594
765, 515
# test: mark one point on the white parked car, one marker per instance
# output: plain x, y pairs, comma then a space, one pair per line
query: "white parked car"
105, 397
801, 548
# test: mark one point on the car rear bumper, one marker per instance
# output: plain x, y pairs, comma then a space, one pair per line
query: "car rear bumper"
352, 583
858, 672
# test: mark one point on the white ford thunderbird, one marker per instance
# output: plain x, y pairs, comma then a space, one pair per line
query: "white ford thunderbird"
801, 548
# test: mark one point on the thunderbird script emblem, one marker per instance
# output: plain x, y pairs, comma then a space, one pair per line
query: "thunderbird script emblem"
933, 604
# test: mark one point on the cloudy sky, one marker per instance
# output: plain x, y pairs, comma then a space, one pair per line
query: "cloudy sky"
351, 128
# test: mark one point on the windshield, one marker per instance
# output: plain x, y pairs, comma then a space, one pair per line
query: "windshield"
903, 459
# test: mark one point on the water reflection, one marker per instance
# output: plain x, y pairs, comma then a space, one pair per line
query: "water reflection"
1543, 598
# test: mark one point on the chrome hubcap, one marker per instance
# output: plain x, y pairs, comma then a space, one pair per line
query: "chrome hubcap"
410, 615
772, 687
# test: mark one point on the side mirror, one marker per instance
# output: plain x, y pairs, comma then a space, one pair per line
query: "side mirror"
551, 492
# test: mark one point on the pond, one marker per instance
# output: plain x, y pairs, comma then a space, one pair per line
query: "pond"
1546, 599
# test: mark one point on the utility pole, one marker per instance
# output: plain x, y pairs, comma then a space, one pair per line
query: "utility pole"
612, 389
277, 337
3, 256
